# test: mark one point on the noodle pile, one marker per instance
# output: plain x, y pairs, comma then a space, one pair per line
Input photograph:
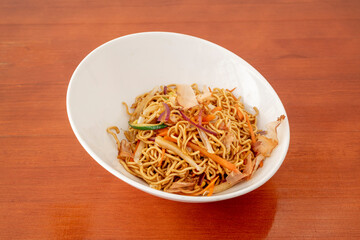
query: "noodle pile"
230, 133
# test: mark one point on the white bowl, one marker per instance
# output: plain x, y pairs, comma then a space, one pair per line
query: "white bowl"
123, 68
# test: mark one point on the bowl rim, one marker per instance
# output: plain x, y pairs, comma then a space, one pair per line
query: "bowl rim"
158, 193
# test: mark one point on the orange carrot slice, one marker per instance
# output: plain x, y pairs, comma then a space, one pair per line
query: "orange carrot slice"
216, 109
240, 115
210, 187
208, 118
162, 156
231, 89
162, 132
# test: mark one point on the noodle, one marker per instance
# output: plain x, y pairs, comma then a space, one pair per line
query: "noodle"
232, 141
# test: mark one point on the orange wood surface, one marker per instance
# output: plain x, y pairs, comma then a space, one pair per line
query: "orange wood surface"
52, 189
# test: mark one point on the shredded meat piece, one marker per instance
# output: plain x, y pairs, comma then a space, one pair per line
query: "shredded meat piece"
125, 149
266, 144
180, 186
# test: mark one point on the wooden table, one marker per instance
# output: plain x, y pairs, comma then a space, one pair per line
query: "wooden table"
52, 189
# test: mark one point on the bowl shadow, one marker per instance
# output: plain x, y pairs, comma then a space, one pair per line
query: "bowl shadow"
109, 214
249, 216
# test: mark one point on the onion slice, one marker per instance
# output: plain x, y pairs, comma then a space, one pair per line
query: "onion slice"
166, 113
138, 152
161, 116
196, 125
135, 115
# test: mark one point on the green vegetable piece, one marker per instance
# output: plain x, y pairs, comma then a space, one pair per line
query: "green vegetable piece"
143, 126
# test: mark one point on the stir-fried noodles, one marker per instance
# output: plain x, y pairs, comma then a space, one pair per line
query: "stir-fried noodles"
194, 142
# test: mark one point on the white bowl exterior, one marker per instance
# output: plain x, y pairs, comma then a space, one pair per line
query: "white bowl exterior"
128, 66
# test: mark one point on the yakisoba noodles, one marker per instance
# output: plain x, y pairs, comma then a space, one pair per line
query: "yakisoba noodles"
194, 142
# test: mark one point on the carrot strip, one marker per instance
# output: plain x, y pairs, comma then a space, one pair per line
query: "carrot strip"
231, 89
240, 115
211, 190
250, 129
203, 151
233, 96
162, 156
209, 89
211, 184
170, 139
216, 109
208, 118
137, 145
162, 132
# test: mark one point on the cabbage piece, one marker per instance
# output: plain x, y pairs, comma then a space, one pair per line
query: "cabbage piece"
266, 144
186, 96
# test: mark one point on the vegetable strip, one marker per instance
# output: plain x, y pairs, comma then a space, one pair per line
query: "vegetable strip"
197, 125
203, 151
162, 156
238, 112
231, 89
250, 129
163, 132
208, 118
216, 109
173, 147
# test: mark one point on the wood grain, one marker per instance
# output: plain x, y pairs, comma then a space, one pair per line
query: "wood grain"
52, 189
